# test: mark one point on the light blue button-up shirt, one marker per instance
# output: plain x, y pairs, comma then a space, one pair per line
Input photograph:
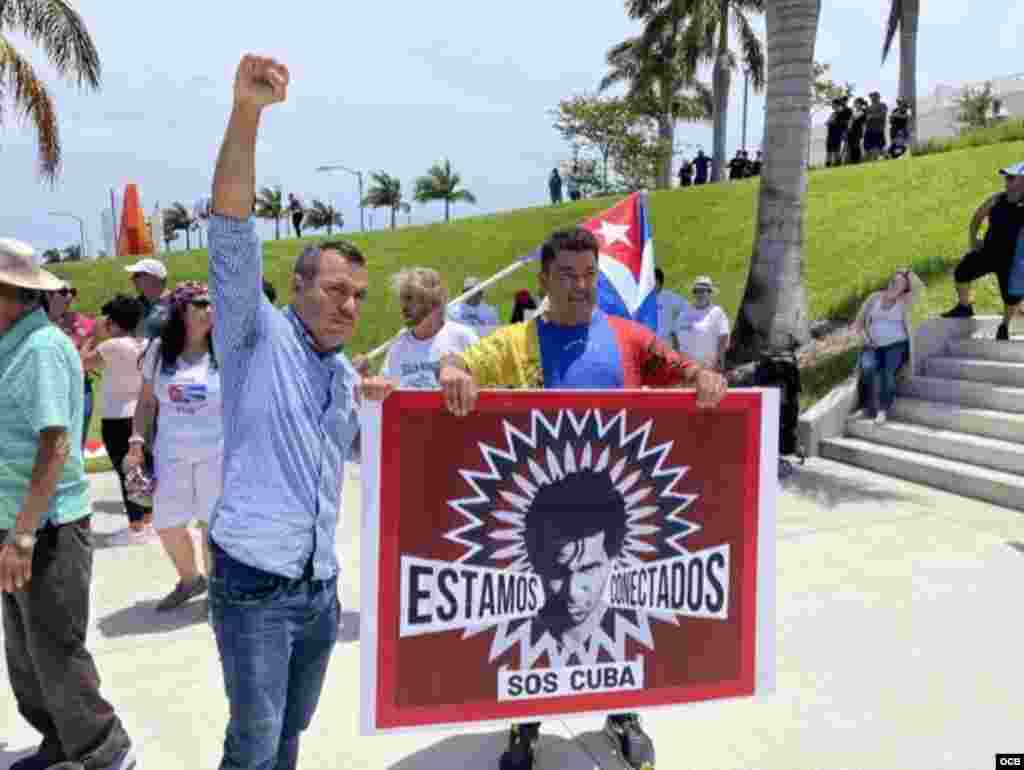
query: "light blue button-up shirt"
289, 419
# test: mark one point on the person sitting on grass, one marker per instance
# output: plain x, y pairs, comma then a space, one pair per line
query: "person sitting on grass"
884, 322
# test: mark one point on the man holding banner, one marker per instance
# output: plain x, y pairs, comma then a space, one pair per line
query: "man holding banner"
588, 338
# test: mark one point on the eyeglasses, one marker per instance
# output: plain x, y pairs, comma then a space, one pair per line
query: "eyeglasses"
202, 304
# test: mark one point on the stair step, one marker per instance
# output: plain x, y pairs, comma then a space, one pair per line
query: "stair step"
975, 450
976, 370
1007, 426
979, 395
997, 487
989, 350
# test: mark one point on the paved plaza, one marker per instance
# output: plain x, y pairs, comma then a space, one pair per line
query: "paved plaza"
899, 646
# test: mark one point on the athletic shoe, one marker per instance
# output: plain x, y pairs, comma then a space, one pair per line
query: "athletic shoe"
522, 746
960, 311
130, 536
182, 593
1003, 333
881, 417
630, 740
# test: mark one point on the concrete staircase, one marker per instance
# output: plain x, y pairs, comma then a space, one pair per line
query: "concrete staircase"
958, 426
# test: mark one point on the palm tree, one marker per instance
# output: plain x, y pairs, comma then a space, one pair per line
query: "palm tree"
442, 184
324, 215
386, 193
706, 40
659, 67
61, 33
903, 16
773, 314
270, 205
177, 217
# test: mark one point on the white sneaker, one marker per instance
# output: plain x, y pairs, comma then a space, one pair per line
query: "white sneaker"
129, 536
880, 418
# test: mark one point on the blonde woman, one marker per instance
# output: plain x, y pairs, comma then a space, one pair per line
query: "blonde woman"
884, 323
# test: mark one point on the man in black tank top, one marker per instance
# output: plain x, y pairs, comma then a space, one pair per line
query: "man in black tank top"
1005, 214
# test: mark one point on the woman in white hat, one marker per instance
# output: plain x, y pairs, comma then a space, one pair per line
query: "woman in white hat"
702, 328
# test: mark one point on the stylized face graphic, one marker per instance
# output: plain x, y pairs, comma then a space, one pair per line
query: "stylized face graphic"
581, 570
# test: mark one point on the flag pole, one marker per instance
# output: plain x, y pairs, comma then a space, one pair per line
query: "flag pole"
380, 350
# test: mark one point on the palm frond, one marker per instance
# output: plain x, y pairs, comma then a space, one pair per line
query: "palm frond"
752, 53
463, 195
895, 19
59, 30
18, 80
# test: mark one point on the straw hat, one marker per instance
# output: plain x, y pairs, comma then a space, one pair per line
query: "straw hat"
18, 268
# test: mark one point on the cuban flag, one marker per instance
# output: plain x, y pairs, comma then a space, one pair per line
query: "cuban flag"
626, 284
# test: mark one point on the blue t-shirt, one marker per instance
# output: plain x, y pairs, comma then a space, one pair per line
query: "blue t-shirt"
580, 357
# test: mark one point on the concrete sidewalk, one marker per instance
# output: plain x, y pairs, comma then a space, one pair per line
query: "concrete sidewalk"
899, 646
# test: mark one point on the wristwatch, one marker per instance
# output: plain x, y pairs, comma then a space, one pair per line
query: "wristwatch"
22, 541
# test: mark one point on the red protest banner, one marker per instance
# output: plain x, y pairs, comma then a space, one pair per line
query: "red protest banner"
556, 553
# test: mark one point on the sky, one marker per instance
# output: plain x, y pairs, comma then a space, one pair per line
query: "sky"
393, 87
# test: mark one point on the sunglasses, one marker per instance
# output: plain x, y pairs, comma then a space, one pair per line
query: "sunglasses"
202, 304
702, 291
67, 292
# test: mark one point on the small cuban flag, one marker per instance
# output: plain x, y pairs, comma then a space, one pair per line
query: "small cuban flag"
626, 284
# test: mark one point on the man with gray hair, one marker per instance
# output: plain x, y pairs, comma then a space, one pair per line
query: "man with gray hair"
414, 359
289, 410
46, 556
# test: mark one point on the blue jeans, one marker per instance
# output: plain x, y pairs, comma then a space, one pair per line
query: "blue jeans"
275, 637
878, 367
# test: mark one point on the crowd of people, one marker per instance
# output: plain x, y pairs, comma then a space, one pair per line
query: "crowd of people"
858, 133
221, 409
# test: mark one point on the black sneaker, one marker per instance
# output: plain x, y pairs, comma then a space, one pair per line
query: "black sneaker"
522, 745
1003, 333
960, 311
630, 740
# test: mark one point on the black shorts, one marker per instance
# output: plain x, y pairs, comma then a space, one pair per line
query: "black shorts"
977, 264
874, 140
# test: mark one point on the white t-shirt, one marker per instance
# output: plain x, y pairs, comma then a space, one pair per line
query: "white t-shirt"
699, 330
887, 326
483, 319
122, 376
670, 305
415, 363
190, 425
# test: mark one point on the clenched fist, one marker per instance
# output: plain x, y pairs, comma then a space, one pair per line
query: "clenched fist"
260, 82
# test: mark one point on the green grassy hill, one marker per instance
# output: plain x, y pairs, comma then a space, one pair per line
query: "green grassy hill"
862, 223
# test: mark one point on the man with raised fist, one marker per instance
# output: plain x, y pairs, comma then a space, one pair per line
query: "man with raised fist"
289, 405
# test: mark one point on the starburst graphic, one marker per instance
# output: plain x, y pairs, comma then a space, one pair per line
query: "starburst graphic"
555, 446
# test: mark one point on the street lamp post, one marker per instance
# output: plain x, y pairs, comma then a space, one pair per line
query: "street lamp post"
81, 227
359, 176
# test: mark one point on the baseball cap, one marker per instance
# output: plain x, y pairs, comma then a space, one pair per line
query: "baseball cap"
150, 267
470, 283
1017, 169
